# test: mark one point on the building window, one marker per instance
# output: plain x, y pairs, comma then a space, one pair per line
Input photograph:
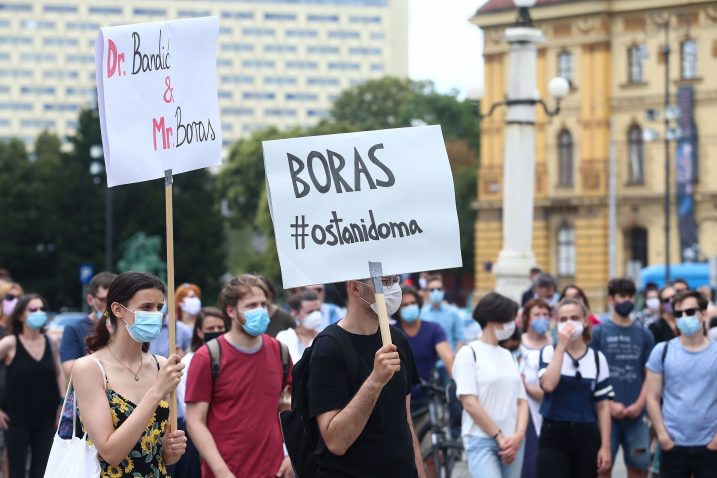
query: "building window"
565, 158
565, 65
688, 51
636, 245
566, 251
636, 155
636, 64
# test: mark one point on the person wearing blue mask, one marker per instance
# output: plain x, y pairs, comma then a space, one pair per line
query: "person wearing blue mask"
122, 391
232, 416
439, 311
34, 387
427, 340
537, 323
682, 393
72, 345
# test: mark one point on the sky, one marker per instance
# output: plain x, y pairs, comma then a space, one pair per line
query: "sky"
443, 46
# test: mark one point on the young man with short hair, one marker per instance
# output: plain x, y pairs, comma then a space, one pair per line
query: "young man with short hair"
233, 419
682, 394
72, 346
362, 408
626, 345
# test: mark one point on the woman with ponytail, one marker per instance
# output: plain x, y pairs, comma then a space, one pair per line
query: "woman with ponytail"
122, 390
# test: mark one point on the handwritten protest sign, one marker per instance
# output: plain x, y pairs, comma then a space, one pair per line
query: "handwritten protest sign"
157, 97
338, 201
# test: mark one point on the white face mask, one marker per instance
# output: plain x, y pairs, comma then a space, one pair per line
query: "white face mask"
578, 328
506, 332
653, 303
313, 320
393, 296
191, 305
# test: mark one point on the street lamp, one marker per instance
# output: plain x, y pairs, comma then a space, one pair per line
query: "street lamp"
670, 115
96, 153
516, 256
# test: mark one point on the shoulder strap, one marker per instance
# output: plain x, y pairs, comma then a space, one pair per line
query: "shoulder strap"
102, 370
284, 355
664, 355
156, 361
473, 351
597, 365
215, 357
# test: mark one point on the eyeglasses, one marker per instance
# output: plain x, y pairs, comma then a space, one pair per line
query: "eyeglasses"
101, 299
36, 309
436, 289
578, 375
687, 312
387, 281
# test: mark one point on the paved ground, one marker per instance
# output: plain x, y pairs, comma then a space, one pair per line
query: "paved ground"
461, 470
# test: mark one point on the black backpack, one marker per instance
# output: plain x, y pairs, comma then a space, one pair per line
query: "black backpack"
301, 433
215, 359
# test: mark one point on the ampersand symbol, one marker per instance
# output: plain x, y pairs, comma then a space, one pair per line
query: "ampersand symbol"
169, 92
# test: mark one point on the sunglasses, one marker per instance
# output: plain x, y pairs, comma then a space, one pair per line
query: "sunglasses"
667, 300
687, 312
10, 297
578, 375
36, 309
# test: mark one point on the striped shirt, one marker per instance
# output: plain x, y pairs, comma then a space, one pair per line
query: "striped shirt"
573, 400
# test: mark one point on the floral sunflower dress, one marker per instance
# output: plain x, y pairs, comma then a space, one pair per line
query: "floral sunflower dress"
146, 459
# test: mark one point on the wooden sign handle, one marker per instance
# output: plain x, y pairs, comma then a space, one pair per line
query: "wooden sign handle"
383, 319
171, 309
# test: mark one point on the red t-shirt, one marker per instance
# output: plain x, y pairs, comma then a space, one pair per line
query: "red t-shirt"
243, 416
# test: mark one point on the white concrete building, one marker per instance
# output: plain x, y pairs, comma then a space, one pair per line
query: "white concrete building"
279, 62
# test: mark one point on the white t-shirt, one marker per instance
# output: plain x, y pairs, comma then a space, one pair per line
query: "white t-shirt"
290, 338
529, 365
493, 377
182, 387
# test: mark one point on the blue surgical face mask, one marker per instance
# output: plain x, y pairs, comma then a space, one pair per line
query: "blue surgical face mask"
146, 327
255, 321
410, 313
436, 296
35, 320
164, 309
540, 325
689, 325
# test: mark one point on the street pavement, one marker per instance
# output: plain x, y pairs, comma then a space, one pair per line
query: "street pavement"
461, 469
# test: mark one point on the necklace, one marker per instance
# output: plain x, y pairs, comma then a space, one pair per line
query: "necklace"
136, 375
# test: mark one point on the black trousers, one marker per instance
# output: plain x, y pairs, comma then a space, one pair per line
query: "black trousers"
688, 461
21, 441
568, 450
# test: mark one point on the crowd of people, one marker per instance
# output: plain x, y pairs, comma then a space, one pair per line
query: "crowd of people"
543, 388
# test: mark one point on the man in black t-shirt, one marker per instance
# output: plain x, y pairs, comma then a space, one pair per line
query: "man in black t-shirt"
362, 408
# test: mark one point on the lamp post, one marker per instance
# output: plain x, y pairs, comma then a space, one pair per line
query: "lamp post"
516, 256
96, 154
671, 131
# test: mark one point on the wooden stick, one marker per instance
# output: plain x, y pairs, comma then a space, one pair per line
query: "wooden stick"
376, 271
171, 309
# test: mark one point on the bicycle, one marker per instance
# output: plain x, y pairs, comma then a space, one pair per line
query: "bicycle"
440, 456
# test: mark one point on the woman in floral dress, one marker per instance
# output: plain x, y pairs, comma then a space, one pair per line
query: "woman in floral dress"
122, 390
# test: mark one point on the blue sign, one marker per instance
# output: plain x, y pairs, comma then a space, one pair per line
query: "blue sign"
86, 273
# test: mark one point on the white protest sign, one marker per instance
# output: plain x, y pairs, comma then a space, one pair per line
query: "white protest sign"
157, 97
339, 201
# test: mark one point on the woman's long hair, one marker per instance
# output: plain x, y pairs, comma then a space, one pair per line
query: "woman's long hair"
121, 290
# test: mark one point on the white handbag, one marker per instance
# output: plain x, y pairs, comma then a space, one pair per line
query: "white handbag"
75, 457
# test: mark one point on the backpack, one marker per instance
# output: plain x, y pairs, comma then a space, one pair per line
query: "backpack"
301, 432
215, 360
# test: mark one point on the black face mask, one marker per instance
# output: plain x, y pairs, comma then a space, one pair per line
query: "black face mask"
625, 308
211, 335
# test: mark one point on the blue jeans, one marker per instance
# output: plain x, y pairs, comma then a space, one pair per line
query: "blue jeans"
484, 461
633, 436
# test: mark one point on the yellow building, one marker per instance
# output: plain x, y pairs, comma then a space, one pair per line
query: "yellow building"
611, 52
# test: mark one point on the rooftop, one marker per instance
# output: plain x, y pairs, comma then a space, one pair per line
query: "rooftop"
494, 6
